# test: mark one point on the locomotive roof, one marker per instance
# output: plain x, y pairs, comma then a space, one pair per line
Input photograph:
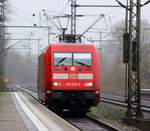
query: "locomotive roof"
72, 44
63, 45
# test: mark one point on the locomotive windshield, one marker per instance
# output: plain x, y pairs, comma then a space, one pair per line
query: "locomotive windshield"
83, 59
80, 59
62, 59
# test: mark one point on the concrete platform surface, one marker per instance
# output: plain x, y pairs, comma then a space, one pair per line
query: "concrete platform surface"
21, 112
10, 120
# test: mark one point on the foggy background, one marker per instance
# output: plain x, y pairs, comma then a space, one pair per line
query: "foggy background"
21, 60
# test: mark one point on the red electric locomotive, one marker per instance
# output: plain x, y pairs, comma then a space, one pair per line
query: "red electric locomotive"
69, 76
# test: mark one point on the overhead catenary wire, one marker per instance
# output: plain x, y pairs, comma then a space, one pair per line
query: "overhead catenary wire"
59, 23
64, 8
54, 12
113, 33
22, 14
9, 47
147, 2
50, 20
95, 22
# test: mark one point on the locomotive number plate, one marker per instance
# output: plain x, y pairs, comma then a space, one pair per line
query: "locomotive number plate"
73, 84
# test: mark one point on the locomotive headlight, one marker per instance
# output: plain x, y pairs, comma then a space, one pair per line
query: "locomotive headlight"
72, 68
56, 83
88, 84
96, 92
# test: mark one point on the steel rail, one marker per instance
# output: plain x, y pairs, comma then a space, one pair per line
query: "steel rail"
87, 117
122, 103
110, 100
96, 124
102, 123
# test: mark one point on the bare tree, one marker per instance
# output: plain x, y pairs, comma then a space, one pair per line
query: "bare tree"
113, 69
21, 69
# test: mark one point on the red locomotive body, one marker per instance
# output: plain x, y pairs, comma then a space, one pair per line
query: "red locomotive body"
69, 76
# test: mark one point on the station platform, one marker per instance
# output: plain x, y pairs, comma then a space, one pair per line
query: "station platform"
21, 112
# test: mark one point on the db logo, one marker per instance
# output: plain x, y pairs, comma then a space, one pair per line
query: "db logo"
72, 76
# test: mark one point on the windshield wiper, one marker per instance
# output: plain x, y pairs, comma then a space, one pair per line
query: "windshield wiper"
61, 60
83, 64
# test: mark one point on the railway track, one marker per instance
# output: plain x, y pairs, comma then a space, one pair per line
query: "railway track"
85, 123
120, 101
111, 98
89, 123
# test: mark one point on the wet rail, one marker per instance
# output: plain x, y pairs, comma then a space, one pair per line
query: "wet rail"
119, 100
89, 123
85, 123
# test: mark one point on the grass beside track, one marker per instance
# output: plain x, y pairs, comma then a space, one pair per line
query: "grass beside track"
111, 114
108, 112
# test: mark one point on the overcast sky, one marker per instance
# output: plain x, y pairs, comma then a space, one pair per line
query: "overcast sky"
22, 10
25, 8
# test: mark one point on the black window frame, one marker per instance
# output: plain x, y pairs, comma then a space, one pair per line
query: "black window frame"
73, 58
83, 52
